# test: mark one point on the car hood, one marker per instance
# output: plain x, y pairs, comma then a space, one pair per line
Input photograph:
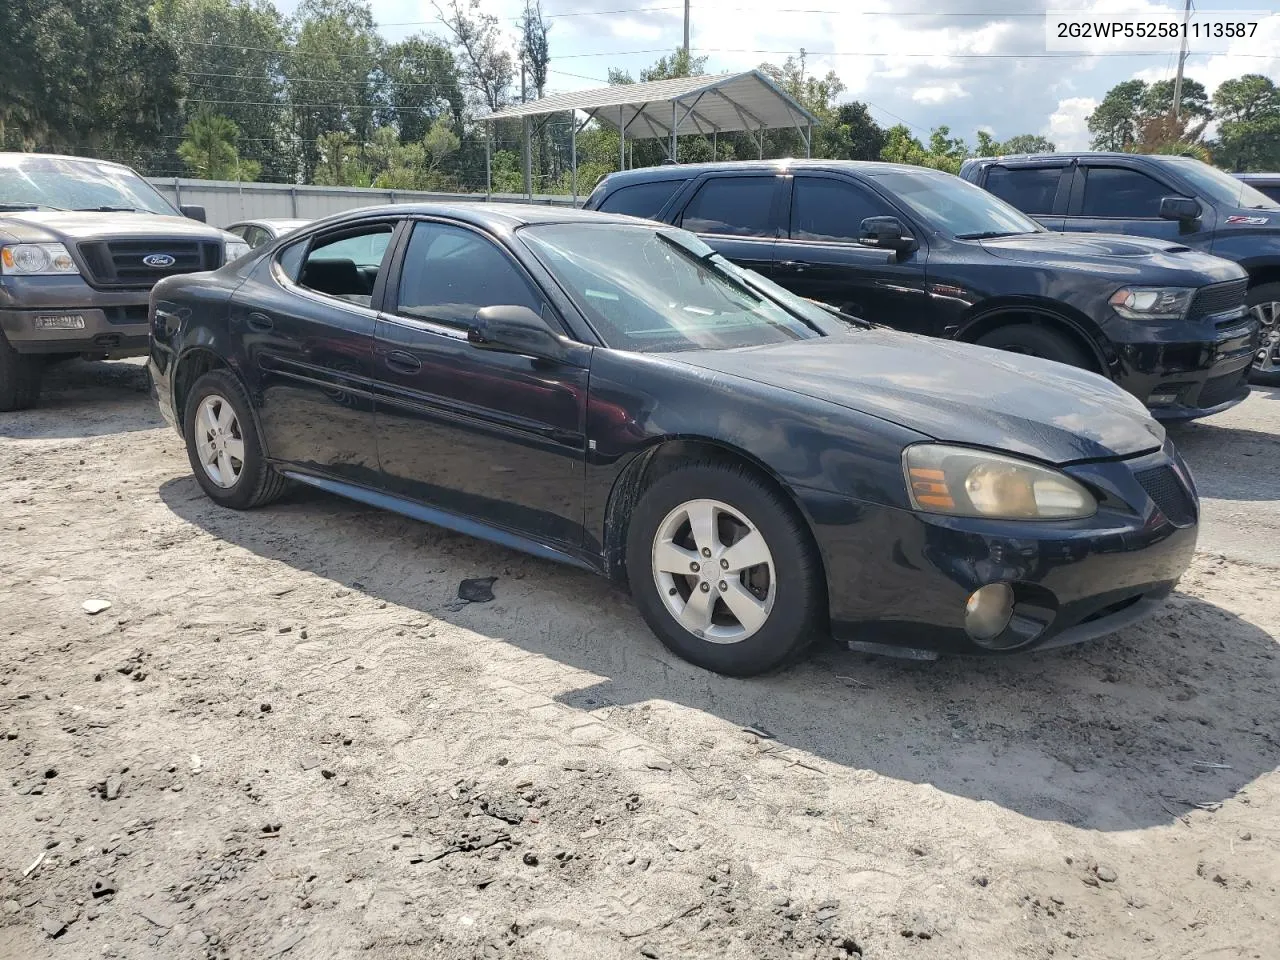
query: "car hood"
954, 392
59, 226
1137, 258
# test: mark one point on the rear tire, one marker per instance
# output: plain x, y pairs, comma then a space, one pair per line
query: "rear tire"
1264, 303
224, 447
749, 611
20, 376
1036, 341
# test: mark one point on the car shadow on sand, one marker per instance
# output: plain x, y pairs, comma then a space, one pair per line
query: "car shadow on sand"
1128, 732
1230, 463
87, 399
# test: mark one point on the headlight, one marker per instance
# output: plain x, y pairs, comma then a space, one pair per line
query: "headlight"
961, 482
1152, 303
235, 250
36, 260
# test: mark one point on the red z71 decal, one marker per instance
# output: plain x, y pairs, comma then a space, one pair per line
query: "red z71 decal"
1256, 221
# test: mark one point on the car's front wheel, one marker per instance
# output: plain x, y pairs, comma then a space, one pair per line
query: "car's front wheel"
1264, 303
723, 569
1036, 341
223, 445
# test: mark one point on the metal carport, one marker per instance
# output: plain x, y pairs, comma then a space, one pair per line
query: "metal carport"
664, 109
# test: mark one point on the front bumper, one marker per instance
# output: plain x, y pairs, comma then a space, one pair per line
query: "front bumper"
899, 580
111, 322
1183, 371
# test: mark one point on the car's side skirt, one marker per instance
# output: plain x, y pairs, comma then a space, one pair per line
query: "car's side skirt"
450, 521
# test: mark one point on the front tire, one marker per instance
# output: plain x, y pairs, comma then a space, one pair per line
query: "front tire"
1035, 341
20, 376
723, 569
1264, 303
223, 445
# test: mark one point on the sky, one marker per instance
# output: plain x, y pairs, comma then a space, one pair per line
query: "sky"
968, 64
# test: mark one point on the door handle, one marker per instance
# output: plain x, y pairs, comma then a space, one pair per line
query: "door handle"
798, 266
259, 322
403, 362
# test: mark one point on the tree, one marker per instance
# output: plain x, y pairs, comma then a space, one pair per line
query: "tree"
1248, 112
487, 68
678, 64
1158, 100
210, 150
850, 135
338, 161
333, 85
901, 147
233, 61
440, 144
1028, 143
422, 83
1114, 123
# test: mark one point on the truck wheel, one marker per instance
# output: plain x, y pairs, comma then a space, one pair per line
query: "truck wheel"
1264, 303
1034, 341
20, 376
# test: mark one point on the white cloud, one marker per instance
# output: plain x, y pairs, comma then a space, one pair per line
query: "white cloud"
939, 94
1068, 127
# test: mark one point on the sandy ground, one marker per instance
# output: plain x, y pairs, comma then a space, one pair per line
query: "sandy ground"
287, 738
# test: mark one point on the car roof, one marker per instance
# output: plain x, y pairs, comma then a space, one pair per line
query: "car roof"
492, 216
1080, 155
688, 170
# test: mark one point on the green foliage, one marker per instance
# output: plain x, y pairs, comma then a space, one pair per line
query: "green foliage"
1114, 123
1027, 143
1248, 112
210, 152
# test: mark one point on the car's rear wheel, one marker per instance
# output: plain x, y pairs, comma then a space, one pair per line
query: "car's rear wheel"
223, 445
20, 376
1264, 303
1036, 341
723, 570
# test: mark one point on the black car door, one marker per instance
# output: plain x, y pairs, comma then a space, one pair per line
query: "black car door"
820, 257
1039, 189
307, 325
493, 436
739, 215
1114, 198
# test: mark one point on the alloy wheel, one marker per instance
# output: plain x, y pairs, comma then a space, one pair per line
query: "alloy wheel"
1268, 356
714, 571
219, 441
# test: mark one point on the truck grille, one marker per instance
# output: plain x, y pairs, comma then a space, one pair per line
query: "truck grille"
1166, 490
119, 263
1218, 298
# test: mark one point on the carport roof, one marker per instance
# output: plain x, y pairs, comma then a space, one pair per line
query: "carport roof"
710, 104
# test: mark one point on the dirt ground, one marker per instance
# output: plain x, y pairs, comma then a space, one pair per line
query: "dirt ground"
286, 737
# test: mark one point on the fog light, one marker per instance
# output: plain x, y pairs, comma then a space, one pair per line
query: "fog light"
1162, 399
987, 612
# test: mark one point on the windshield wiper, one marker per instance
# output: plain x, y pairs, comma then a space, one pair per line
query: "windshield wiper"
840, 314
991, 234
17, 205
111, 210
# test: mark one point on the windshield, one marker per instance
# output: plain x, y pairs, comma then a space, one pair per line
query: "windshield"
955, 207
1220, 187
658, 291
34, 181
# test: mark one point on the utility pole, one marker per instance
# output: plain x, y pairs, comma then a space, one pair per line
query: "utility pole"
526, 154
1182, 60
686, 31
802, 54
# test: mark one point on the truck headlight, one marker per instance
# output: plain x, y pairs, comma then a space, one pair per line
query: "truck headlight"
1152, 303
36, 260
962, 482
235, 250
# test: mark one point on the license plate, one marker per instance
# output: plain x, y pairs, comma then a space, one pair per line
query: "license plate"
62, 321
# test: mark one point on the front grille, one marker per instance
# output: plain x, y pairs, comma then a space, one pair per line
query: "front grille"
119, 263
1218, 298
1167, 491
1221, 389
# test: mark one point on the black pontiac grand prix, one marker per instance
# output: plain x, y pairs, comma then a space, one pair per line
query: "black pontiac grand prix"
613, 394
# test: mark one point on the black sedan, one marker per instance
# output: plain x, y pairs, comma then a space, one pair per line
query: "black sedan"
612, 394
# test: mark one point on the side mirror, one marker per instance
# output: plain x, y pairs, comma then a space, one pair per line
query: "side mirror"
515, 329
1179, 208
886, 233
193, 213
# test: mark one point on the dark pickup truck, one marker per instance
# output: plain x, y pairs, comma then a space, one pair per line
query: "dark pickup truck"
926, 252
1177, 199
81, 244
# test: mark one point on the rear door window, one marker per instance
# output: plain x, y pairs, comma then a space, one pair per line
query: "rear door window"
733, 206
1116, 193
641, 199
1030, 189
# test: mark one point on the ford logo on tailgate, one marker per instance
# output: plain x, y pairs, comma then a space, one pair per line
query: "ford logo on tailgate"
158, 260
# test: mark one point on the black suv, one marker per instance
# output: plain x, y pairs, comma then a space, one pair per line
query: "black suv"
926, 252
1178, 199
